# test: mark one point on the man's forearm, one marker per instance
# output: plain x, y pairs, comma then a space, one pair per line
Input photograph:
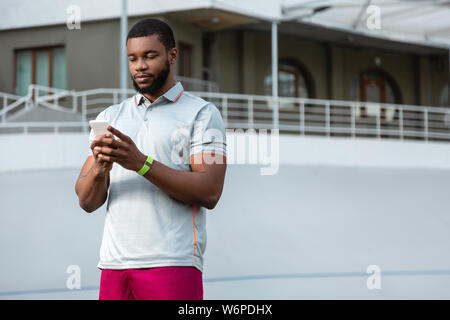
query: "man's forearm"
92, 190
186, 186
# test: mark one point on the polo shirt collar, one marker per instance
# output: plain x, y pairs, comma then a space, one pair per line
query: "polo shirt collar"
173, 94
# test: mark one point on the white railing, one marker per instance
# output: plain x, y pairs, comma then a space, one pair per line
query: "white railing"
44, 127
333, 117
295, 115
11, 103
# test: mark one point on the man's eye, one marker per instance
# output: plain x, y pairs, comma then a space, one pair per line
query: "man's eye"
151, 57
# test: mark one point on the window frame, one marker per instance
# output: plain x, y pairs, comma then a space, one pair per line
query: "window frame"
34, 51
300, 70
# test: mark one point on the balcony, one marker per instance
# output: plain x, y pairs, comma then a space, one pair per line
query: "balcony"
54, 110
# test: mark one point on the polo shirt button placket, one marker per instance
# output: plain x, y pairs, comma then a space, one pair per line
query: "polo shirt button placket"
142, 110
147, 111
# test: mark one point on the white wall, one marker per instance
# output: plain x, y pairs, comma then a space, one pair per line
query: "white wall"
308, 232
69, 150
365, 152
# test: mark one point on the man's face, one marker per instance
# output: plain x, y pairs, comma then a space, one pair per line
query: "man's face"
148, 62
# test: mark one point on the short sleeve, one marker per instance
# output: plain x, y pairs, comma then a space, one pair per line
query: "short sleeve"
100, 116
208, 134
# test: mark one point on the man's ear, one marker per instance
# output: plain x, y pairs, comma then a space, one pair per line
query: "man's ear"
173, 55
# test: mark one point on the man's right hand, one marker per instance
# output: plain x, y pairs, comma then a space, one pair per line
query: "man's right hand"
101, 166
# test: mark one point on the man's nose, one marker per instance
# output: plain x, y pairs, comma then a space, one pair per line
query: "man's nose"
141, 65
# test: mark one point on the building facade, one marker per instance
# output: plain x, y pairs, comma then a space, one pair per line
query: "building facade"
232, 50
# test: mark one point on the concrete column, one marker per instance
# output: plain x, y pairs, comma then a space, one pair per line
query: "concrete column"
337, 74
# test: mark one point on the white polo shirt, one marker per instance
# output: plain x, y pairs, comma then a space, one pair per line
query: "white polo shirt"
144, 226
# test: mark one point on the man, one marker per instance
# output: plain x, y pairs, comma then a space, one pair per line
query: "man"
163, 162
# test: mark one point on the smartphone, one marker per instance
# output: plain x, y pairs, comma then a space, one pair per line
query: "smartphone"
99, 127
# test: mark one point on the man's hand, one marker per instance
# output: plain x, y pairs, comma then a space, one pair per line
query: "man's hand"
101, 166
122, 150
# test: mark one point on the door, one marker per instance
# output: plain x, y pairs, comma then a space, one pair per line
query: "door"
372, 90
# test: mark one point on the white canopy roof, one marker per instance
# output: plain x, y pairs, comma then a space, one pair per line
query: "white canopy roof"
24, 13
421, 22
424, 22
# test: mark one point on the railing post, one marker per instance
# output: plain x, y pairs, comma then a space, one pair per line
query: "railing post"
83, 109
115, 98
302, 118
31, 96
401, 122
74, 102
5, 104
36, 96
425, 119
378, 122
327, 119
250, 112
353, 125
225, 110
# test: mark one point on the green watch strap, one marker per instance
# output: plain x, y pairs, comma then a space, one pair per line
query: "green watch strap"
148, 163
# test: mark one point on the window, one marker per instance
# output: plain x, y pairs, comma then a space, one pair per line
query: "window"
293, 80
41, 66
184, 59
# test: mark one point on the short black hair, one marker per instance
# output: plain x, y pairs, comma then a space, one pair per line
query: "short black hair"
149, 27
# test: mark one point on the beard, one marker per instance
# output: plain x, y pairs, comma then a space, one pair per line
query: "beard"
157, 83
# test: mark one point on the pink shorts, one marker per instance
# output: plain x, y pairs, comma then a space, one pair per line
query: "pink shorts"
161, 283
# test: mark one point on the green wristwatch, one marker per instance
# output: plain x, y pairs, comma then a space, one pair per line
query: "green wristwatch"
148, 163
